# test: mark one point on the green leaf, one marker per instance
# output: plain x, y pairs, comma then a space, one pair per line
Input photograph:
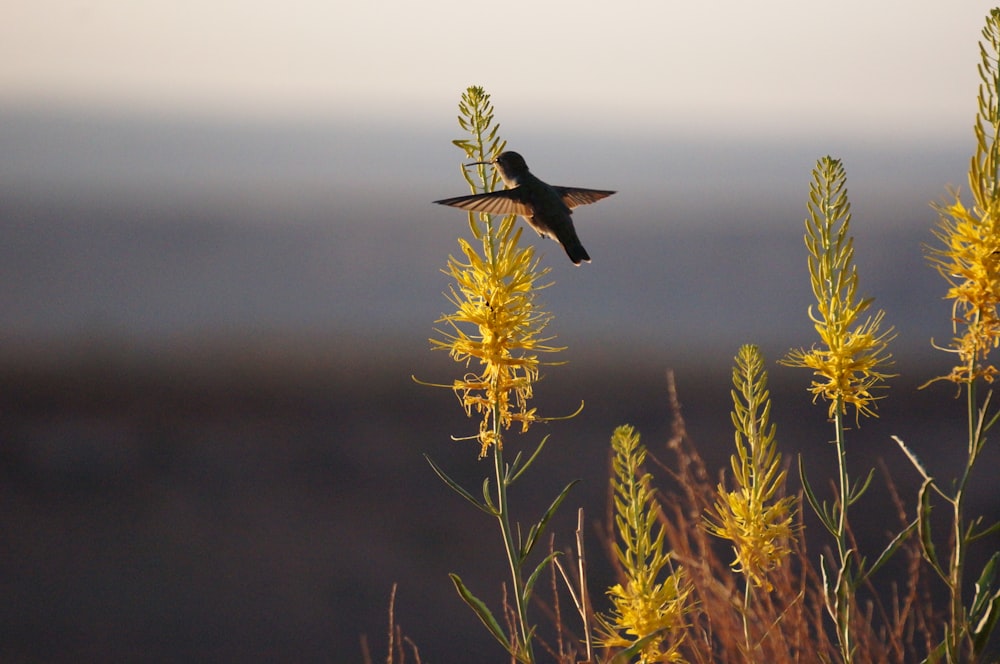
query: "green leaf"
845, 578
993, 420
539, 528
457, 488
625, 656
992, 530
857, 493
985, 607
935, 655
530, 583
813, 502
893, 546
511, 468
924, 528
828, 590
527, 464
487, 498
482, 611
912, 457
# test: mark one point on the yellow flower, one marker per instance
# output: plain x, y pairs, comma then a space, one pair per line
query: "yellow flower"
848, 365
970, 263
969, 259
497, 327
758, 524
643, 607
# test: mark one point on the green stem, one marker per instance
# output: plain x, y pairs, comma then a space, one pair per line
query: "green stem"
513, 555
503, 511
959, 629
746, 626
844, 583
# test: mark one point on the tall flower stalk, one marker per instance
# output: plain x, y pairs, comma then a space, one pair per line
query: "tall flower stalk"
647, 618
753, 516
969, 260
496, 332
848, 366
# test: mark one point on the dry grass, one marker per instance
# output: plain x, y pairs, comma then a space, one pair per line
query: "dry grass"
893, 624
788, 624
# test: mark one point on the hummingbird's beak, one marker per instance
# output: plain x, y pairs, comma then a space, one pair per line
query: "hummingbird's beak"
477, 163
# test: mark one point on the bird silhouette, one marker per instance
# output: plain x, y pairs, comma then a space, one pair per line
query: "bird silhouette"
546, 208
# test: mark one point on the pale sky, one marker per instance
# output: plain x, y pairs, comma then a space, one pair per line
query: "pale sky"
702, 115
865, 66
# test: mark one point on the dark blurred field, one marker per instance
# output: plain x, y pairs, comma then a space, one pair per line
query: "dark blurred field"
257, 504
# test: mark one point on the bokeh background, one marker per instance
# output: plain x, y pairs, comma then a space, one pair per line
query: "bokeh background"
219, 267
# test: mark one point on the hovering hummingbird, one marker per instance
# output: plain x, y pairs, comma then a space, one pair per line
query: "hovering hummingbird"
546, 208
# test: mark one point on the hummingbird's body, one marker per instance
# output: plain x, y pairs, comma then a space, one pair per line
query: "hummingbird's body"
544, 207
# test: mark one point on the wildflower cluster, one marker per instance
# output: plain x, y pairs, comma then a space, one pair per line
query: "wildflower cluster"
969, 259
970, 262
758, 523
497, 326
849, 365
645, 608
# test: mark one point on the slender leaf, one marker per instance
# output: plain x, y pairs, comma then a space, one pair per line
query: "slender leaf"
530, 583
986, 426
512, 467
985, 607
482, 611
924, 528
912, 457
934, 656
813, 502
856, 493
487, 498
625, 656
539, 528
457, 488
845, 579
528, 463
992, 530
828, 591
893, 546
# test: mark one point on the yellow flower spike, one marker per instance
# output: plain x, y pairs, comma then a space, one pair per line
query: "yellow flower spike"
643, 608
496, 328
970, 263
752, 516
849, 364
969, 259
847, 369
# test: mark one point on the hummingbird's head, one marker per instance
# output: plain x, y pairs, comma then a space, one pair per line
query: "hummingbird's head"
510, 165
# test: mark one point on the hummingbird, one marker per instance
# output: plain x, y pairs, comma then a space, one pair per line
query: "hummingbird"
546, 208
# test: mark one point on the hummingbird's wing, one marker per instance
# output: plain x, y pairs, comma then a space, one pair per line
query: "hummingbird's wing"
575, 197
506, 201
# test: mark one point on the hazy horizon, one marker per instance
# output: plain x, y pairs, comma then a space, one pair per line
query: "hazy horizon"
125, 225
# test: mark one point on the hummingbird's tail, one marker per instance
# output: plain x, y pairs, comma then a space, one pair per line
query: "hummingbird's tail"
571, 243
577, 253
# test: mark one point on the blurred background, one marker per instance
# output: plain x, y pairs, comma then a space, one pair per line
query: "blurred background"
219, 268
